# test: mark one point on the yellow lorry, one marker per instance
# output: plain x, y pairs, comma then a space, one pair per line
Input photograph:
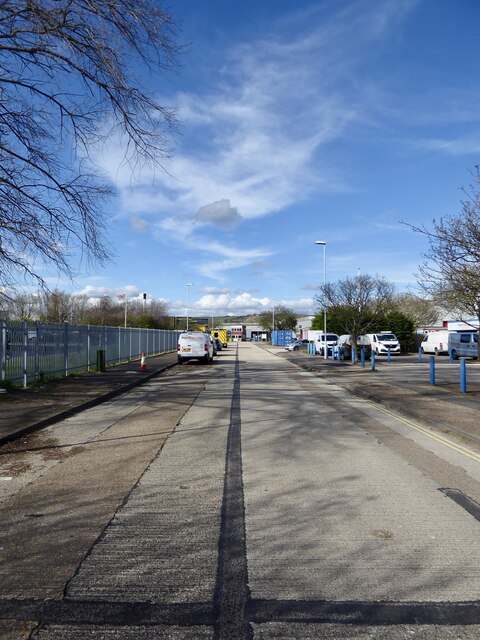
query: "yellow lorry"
221, 334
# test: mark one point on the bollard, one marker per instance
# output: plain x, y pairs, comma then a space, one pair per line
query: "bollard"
100, 360
389, 355
372, 361
450, 357
420, 352
463, 376
354, 356
362, 357
432, 370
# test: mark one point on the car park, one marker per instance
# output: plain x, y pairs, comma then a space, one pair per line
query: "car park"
194, 345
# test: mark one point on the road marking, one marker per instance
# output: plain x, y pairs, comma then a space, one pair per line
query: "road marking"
448, 443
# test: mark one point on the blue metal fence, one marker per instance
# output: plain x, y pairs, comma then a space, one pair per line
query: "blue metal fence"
30, 351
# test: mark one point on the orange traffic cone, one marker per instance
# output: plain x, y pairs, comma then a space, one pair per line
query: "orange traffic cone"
143, 366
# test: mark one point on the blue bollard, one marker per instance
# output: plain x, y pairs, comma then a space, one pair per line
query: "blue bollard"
362, 357
432, 370
463, 376
372, 362
420, 352
389, 356
450, 357
354, 356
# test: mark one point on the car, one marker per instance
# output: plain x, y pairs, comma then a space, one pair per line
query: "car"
435, 342
381, 343
463, 345
296, 345
214, 345
331, 340
194, 345
345, 344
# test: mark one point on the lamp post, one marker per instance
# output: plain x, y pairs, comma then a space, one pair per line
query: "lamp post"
189, 284
324, 244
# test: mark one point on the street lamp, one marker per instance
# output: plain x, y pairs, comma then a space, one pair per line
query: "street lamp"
189, 284
324, 244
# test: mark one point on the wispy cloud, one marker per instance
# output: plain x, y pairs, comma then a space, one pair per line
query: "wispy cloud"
259, 140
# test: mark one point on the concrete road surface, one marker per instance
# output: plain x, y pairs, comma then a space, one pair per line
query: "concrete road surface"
247, 499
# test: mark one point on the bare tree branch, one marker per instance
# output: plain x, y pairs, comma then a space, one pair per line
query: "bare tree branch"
67, 82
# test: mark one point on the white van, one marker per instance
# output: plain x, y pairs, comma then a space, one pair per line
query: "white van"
381, 343
194, 345
463, 345
435, 342
331, 339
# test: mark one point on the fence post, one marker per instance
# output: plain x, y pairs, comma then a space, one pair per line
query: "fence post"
88, 347
432, 370
4, 350
65, 347
37, 354
463, 376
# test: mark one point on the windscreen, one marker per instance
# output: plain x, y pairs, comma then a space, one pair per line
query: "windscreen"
386, 336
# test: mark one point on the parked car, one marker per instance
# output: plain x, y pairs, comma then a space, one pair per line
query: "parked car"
296, 345
344, 342
213, 344
435, 342
330, 339
381, 343
463, 345
194, 345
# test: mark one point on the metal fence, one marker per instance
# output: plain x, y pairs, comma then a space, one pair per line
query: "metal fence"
31, 351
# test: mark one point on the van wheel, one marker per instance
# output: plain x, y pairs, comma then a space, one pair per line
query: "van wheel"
180, 360
454, 355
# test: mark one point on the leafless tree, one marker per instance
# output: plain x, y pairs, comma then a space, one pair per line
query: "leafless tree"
68, 80
355, 304
423, 311
450, 273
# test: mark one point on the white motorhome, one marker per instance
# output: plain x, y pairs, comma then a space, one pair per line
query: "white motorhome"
194, 345
463, 345
381, 343
436, 342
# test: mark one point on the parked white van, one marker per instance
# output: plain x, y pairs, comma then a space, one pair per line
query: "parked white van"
463, 345
194, 345
381, 343
436, 342
331, 339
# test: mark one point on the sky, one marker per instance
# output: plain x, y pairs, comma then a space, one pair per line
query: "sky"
336, 120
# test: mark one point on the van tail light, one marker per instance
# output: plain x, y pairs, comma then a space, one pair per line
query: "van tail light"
178, 347
206, 347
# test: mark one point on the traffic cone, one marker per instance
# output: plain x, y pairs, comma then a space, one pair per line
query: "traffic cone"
143, 366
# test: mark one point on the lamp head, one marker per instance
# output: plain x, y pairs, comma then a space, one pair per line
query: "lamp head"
321, 242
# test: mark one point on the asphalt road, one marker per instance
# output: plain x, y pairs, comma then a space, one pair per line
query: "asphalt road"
248, 499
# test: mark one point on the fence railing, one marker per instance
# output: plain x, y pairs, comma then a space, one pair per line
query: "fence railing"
31, 351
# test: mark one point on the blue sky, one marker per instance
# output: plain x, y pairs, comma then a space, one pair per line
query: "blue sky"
301, 121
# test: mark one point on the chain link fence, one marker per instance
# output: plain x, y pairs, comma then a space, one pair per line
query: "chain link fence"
32, 351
